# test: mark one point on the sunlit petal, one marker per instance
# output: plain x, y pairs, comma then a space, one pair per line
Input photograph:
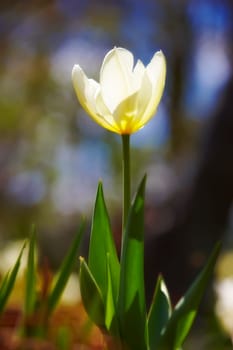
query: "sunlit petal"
156, 71
86, 90
143, 100
125, 113
157, 68
116, 77
138, 74
107, 118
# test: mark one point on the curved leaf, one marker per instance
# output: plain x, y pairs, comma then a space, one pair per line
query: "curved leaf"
111, 314
101, 245
91, 295
159, 313
185, 311
132, 306
30, 292
65, 271
9, 281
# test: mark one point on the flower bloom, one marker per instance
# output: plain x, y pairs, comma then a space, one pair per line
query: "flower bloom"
127, 96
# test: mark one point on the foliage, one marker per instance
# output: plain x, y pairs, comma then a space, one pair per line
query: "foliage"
122, 312
40, 306
8, 282
112, 291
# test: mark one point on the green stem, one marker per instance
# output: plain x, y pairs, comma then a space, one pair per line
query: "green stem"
126, 180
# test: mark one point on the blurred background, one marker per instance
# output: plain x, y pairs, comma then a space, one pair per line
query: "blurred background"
52, 155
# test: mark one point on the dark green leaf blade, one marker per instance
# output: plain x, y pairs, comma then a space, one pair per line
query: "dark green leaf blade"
186, 309
101, 244
131, 304
91, 295
159, 313
65, 271
110, 313
4, 284
9, 281
30, 292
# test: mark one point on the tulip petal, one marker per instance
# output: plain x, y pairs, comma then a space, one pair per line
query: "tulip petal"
129, 112
143, 100
156, 71
125, 113
116, 77
104, 112
86, 90
138, 74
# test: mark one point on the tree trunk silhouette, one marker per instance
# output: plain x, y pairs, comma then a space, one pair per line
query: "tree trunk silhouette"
179, 253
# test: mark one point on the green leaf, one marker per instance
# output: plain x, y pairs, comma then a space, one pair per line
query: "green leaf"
110, 313
65, 271
9, 281
91, 295
4, 284
186, 309
132, 309
159, 313
101, 244
183, 327
30, 292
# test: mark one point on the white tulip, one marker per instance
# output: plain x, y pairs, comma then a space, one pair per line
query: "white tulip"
127, 96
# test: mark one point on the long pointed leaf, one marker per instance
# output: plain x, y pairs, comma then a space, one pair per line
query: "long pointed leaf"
91, 295
159, 313
30, 292
132, 310
8, 283
185, 311
65, 271
4, 284
110, 313
101, 244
